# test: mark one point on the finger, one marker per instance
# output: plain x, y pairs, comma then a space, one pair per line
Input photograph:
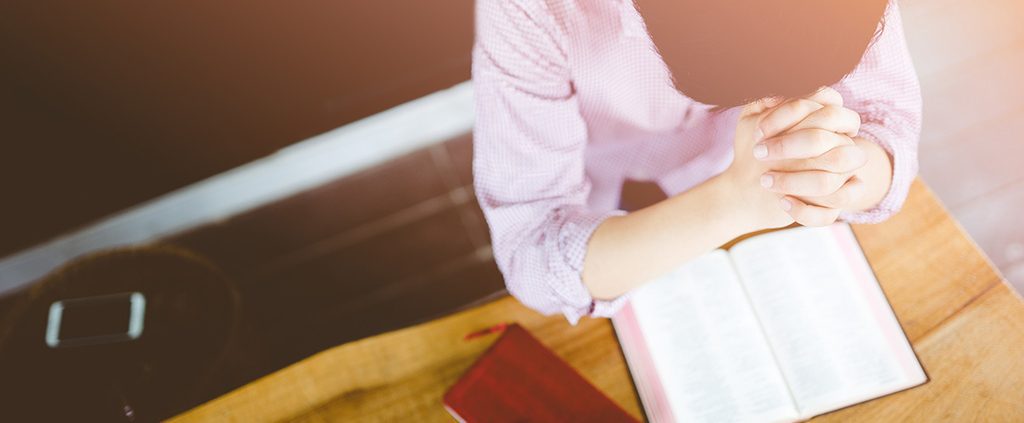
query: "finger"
827, 96
789, 113
786, 115
808, 183
842, 159
845, 196
807, 214
833, 118
802, 144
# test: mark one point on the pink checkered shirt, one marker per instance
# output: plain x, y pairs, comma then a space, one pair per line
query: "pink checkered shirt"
572, 99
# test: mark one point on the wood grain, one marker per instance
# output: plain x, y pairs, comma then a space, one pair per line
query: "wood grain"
974, 365
403, 373
965, 324
927, 265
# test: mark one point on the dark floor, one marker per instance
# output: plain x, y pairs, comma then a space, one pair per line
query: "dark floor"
388, 247
391, 246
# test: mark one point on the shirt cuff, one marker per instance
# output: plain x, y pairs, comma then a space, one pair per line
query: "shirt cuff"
573, 238
904, 169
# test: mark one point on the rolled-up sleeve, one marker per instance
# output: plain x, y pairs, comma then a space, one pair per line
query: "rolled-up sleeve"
884, 90
528, 165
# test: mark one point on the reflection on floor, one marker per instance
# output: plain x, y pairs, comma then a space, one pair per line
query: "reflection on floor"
388, 247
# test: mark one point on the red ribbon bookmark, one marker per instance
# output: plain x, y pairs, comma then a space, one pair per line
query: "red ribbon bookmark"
500, 327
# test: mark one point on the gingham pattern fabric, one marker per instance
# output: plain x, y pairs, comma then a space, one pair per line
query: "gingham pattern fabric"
572, 99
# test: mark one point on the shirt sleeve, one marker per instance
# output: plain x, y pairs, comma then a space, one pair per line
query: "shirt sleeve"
528, 164
884, 90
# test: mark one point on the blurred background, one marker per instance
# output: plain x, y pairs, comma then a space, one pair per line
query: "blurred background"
122, 116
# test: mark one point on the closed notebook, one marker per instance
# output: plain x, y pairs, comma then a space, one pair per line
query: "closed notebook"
520, 380
782, 327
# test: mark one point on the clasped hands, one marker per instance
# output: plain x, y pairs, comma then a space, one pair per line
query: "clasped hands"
797, 160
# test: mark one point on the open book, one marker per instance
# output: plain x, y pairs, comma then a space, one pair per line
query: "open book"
782, 327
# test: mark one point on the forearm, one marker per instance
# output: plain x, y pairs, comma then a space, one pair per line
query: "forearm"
626, 251
876, 175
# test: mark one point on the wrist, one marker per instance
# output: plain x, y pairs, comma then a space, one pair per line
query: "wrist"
733, 208
877, 174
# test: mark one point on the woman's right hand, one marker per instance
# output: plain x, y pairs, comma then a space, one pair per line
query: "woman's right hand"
758, 207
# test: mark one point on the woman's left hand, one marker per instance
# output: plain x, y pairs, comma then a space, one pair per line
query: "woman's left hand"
817, 161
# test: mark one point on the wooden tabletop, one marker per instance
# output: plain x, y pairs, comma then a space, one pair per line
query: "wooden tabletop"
965, 323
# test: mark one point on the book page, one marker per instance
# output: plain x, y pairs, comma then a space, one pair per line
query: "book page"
696, 350
831, 329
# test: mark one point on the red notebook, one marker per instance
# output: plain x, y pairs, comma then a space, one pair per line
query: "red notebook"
520, 380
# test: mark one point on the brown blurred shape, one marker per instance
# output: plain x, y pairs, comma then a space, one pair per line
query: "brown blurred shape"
107, 104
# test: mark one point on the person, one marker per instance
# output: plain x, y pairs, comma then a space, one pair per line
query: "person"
748, 114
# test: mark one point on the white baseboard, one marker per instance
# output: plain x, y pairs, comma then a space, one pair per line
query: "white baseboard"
301, 166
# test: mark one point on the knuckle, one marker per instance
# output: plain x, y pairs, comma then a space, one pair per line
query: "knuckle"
769, 125
818, 139
832, 162
807, 106
791, 184
839, 160
856, 118
764, 123
781, 182
832, 94
825, 183
822, 183
830, 113
778, 147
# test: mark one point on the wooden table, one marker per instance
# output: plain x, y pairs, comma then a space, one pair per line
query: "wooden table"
964, 321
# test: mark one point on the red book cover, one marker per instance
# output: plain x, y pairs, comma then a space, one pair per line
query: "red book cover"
520, 380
